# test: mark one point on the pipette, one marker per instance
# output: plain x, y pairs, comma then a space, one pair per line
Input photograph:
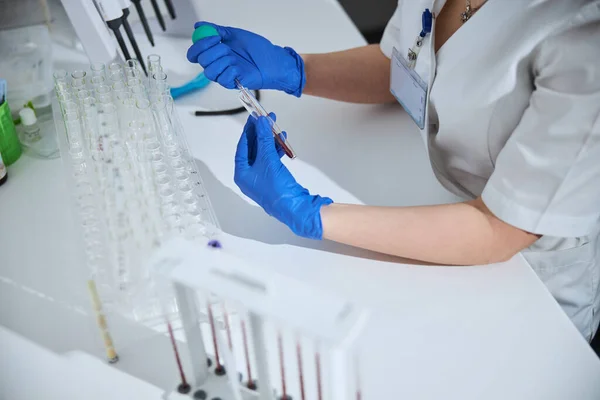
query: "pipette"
170, 8
142, 15
247, 98
112, 14
159, 16
125, 4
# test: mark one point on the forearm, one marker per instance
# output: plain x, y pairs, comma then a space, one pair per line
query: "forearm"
360, 75
454, 234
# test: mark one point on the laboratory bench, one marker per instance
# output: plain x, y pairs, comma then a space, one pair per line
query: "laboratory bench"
491, 332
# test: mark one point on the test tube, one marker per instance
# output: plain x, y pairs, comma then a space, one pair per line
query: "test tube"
103, 94
98, 69
90, 126
72, 126
127, 112
70, 107
256, 109
118, 90
143, 110
61, 83
115, 72
98, 80
138, 92
108, 123
81, 96
159, 82
132, 69
63, 99
162, 122
153, 61
78, 79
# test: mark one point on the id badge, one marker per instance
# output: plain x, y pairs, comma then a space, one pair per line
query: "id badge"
408, 88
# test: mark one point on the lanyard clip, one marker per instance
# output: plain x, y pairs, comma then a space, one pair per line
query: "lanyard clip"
426, 22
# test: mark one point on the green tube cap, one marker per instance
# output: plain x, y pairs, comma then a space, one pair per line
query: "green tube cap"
203, 31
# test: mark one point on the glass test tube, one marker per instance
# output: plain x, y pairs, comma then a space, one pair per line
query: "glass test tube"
81, 96
115, 72
78, 79
98, 69
256, 109
98, 80
103, 94
153, 61
61, 84
159, 82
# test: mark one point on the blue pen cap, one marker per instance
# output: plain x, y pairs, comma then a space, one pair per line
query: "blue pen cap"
426, 22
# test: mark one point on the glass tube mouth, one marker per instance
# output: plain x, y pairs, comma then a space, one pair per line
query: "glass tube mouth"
78, 74
89, 102
115, 66
60, 75
102, 89
134, 82
159, 75
83, 94
118, 86
142, 104
98, 80
98, 67
116, 76
132, 63
78, 83
153, 58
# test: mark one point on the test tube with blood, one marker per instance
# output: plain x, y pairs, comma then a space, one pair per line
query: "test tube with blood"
248, 100
250, 384
219, 369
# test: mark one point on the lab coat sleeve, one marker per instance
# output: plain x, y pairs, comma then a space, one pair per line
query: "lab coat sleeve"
547, 177
392, 32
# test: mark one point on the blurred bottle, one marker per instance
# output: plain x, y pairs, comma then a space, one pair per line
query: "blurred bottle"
10, 147
3, 173
37, 135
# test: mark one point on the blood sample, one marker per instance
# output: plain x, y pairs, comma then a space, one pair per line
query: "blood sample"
284, 395
318, 369
250, 384
184, 387
219, 369
300, 373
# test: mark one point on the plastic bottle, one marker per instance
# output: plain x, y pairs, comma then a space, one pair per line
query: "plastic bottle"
9, 143
35, 136
31, 130
3, 172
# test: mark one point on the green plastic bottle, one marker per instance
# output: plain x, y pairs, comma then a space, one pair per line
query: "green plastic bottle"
10, 147
3, 173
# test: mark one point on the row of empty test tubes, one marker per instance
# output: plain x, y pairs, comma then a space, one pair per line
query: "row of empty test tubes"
134, 179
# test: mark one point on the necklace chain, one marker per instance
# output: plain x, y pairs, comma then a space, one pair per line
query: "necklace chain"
469, 11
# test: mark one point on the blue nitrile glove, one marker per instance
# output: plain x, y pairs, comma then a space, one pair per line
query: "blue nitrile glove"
260, 174
253, 60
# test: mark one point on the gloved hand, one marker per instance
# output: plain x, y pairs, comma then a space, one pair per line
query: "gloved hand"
253, 60
260, 174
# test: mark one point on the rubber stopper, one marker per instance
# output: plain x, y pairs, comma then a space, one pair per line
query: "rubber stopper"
203, 31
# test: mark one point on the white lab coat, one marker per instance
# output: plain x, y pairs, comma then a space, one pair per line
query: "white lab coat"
514, 117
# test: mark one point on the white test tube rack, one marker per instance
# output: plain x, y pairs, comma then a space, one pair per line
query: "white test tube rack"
265, 294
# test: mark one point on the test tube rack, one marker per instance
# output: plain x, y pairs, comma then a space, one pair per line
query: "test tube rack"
134, 181
293, 338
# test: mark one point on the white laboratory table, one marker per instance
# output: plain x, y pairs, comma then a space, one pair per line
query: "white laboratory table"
490, 332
